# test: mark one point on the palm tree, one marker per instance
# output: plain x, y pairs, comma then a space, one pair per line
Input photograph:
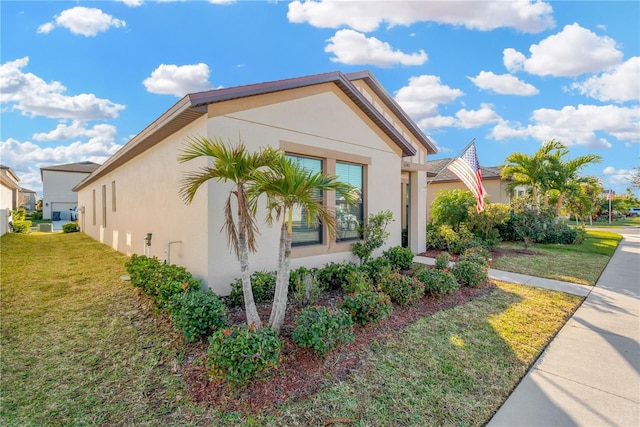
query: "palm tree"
230, 164
565, 176
532, 170
287, 186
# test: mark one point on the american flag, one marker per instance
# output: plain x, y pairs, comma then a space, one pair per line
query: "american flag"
467, 168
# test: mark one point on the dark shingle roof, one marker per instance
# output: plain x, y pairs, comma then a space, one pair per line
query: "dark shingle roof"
79, 167
445, 175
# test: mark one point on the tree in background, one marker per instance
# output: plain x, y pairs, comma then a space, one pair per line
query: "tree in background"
451, 207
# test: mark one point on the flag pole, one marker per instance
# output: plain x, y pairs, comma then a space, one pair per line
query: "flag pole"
429, 181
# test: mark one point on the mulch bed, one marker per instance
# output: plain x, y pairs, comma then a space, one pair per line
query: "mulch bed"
301, 373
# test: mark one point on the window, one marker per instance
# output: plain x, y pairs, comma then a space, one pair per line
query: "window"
113, 196
304, 234
349, 217
104, 206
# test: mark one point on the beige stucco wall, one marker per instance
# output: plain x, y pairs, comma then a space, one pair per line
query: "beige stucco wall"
148, 201
317, 121
57, 194
496, 191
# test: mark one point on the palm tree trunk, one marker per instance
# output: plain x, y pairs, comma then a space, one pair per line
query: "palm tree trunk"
282, 280
247, 291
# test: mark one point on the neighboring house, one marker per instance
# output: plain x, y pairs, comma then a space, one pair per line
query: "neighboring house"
58, 197
440, 178
28, 199
9, 196
343, 124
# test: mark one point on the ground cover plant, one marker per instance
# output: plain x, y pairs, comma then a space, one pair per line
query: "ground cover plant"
82, 347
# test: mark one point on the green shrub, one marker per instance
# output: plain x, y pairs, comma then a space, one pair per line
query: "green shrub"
263, 284
403, 290
357, 281
167, 290
469, 273
334, 275
19, 215
373, 234
367, 307
20, 226
150, 275
322, 329
442, 261
70, 227
305, 286
437, 282
399, 257
377, 269
197, 313
237, 354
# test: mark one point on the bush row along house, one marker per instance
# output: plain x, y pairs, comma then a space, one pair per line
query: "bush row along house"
342, 124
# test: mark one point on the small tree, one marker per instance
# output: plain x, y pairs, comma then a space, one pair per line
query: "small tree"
373, 234
451, 207
486, 221
288, 185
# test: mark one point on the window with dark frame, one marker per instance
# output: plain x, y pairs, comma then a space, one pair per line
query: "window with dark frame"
348, 217
304, 234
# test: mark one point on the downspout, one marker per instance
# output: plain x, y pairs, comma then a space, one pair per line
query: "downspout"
169, 249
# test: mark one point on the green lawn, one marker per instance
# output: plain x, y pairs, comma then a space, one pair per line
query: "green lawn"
81, 347
580, 264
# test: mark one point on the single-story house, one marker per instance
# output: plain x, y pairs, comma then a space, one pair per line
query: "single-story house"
440, 178
58, 197
346, 125
9, 195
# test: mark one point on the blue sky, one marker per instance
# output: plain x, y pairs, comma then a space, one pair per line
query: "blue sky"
79, 79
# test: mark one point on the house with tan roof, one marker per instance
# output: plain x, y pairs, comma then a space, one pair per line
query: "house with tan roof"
58, 197
346, 125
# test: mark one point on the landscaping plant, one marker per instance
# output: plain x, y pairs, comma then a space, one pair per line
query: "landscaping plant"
403, 290
323, 329
197, 313
399, 257
437, 282
367, 307
239, 353
373, 234
469, 273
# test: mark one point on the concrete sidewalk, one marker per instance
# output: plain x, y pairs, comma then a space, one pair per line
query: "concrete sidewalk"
589, 375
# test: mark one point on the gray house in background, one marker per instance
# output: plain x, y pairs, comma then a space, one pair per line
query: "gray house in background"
58, 197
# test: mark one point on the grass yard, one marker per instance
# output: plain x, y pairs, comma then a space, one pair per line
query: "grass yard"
580, 264
81, 347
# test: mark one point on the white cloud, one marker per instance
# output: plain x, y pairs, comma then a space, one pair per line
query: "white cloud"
23, 155
86, 21
178, 80
33, 96
526, 16
573, 51
504, 84
620, 84
131, 3
77, 129
476, 118
582, 125
617, 176
353, 48
421, 97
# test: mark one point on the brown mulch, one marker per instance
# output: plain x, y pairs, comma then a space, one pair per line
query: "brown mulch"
301, 373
